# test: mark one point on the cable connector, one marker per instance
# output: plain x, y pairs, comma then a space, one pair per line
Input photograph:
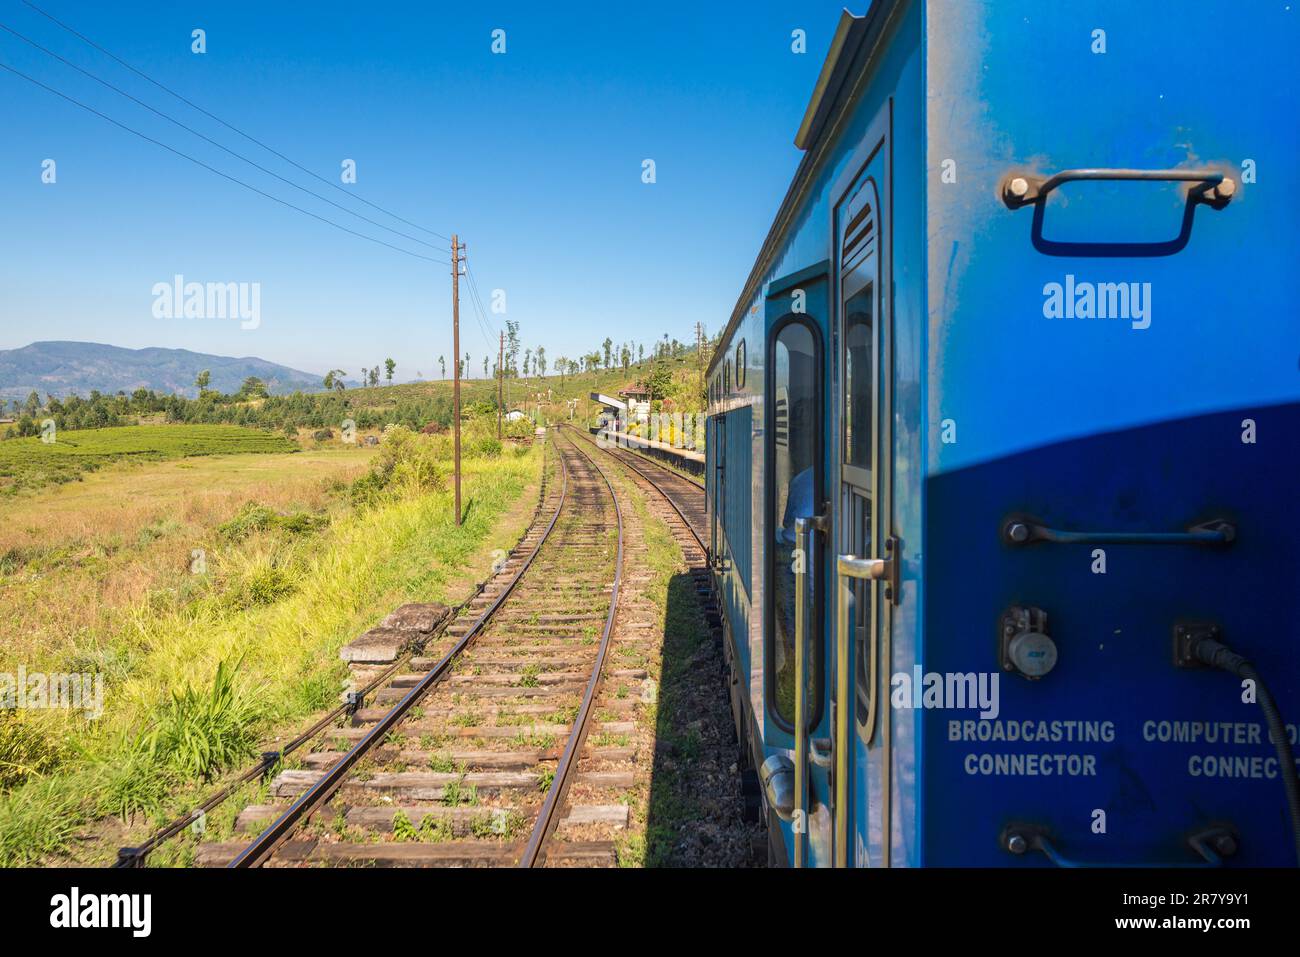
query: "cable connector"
1197, 645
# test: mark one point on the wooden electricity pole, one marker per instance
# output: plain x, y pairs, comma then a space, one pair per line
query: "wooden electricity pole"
455, 357
501, 376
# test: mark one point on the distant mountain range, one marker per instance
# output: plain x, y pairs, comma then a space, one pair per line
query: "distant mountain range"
61, 368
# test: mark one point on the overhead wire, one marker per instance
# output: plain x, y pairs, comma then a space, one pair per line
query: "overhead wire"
213, 169
208, 139
230, 126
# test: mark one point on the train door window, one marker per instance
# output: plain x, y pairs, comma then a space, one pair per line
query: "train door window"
794, 385
859, 265
719, 485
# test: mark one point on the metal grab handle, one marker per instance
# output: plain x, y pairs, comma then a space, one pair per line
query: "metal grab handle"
1214, 532
803, 527
867, 569
1216, 189
1212, 845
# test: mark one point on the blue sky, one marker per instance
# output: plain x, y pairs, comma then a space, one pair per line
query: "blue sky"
534, 157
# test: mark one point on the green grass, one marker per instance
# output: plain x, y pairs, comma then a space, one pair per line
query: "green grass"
30, 463
200, 684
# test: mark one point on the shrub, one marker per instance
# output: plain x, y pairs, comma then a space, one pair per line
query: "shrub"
266, 585
254, 517
406, 461
37, 820
202, 731
25, 749
486, 447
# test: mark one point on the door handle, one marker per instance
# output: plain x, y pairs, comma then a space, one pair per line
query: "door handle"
866, 569
1212, 845
1215, 532
1211, 188
1215, 189
803, 531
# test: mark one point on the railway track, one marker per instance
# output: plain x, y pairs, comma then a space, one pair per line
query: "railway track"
679, 503
469, 753
684, 496
529, 732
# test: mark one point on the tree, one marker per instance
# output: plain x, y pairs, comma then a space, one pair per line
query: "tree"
443, 363
33, 404
540, 361
626, 357
512, 347
640, 352
485, 367
608, 346
389, 366
334, 379
466, 372
528, 355
201, 381
659, 381
253, 388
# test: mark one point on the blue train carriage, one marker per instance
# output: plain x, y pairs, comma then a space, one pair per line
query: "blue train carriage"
1003, 428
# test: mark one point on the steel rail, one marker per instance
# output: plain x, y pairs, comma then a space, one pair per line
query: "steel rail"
658, 488
652, 461
546, 821
135, 856
266, 843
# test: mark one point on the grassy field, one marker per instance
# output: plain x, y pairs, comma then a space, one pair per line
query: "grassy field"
203, 665
31, 463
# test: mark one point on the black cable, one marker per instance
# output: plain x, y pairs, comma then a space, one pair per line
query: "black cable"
229, 126
485, 323
1220, 656
213, 169
208, 139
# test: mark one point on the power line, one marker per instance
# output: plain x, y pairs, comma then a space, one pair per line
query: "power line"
213, 169
208, 139
230, 126
478, 298
485, 324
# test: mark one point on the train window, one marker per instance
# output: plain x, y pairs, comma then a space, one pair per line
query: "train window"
857, 377
857, 278
741, 371
727, 378
794, 467
859, 269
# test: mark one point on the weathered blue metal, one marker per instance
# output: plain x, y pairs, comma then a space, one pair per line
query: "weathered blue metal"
1042, 422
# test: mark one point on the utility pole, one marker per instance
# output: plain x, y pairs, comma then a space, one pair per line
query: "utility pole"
501, 376
455, 354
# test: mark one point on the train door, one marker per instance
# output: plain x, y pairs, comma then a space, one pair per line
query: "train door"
865, 562
718, 446
795, 713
